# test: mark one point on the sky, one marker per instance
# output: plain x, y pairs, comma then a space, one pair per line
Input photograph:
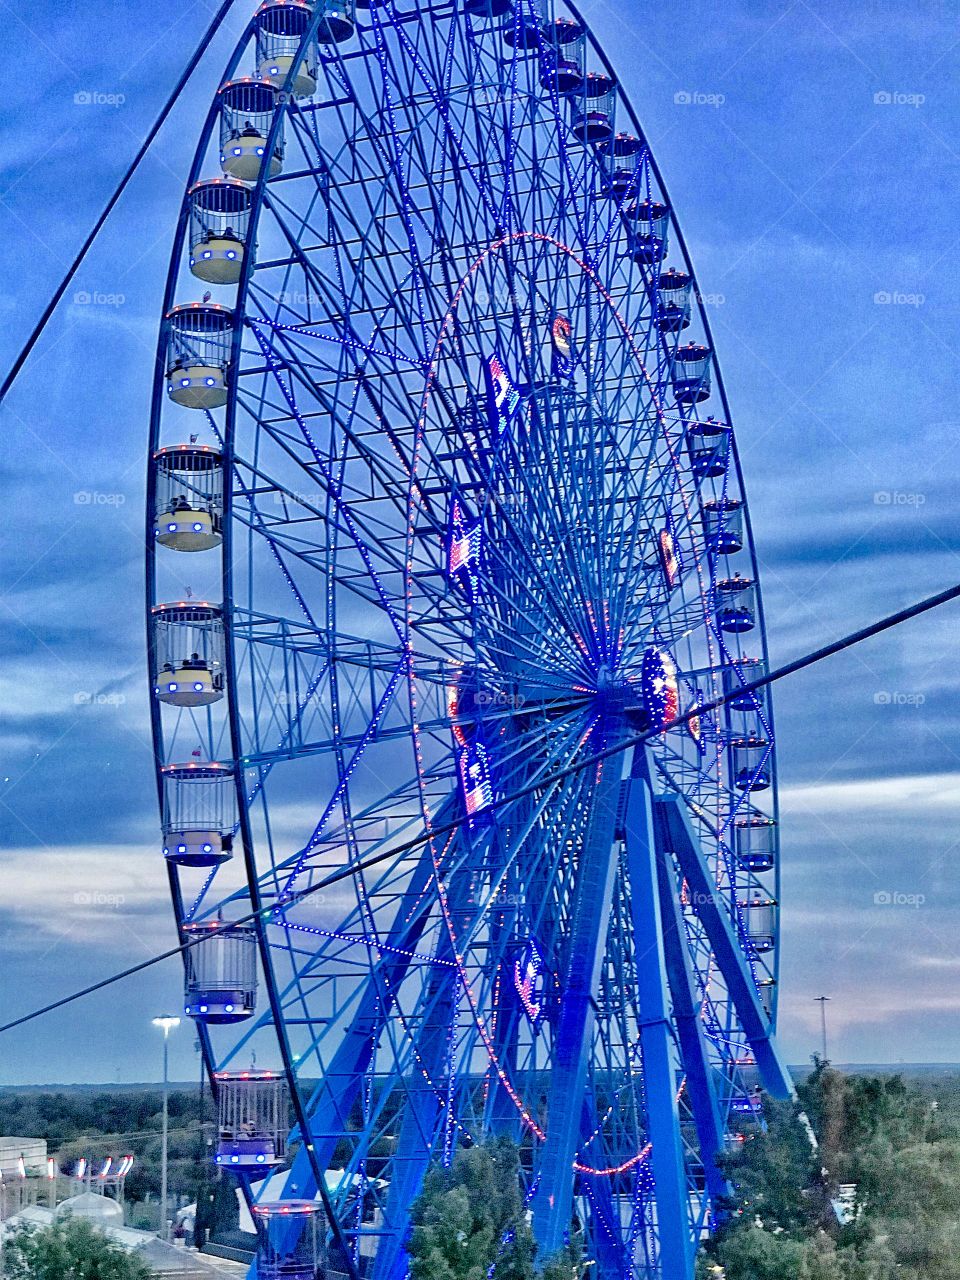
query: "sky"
811, 154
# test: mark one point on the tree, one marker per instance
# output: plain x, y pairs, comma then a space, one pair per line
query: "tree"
470, 1216
225, 1210
774, 1174
71, 1249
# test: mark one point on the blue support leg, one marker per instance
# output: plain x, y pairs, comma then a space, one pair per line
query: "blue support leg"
573, 1033
674, 1234
677, 834
693, 1043
607, 1232
336, 1093
428, 1070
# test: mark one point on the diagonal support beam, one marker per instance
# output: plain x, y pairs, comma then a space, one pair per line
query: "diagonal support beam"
674, 1234
693, 1043
676, 835
423, 1111
573, 1032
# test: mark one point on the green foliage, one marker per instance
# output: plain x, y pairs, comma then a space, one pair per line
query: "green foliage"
71, 1249
464, 1214
225, 1210
900, 1147
96, 1124
774, 1173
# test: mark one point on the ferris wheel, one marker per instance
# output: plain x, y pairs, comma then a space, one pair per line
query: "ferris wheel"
444, 508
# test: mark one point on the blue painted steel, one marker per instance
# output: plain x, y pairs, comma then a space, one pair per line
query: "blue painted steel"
701, 1087
434, 209
678, 836
553, 1204
662, 1079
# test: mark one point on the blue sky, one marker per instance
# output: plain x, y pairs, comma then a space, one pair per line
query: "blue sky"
811, 153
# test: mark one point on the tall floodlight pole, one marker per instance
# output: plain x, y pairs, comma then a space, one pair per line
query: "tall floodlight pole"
822, 1001
167, 1022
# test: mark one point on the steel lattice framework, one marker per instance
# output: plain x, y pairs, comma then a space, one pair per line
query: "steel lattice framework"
482, 518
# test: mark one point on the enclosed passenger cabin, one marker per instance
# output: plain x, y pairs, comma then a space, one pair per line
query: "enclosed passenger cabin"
281, 27
691, 373
219, 220
199, 340
671, 293
220, 984
755, 843
188, 511
758, 915
199, 813
188, 653
523, 28
746, 1104
337, 20
621, 165
253, 1119
290, 1239
594, 108
564, 56
481, 9
647, 223
723, 525
767, 991
708, 444
736, 600
247, 108
741, 672
751, 762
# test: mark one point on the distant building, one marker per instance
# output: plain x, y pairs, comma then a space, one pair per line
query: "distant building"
21, 1156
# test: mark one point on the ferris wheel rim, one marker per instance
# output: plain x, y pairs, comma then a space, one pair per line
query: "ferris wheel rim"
229, 443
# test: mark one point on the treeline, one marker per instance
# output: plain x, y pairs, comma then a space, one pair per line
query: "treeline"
897, 1142
96, 1125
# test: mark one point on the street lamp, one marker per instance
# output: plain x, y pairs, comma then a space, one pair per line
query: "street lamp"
822, 1001
168, 1023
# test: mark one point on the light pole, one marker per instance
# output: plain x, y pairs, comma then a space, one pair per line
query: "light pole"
822, 1002
167, 1022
